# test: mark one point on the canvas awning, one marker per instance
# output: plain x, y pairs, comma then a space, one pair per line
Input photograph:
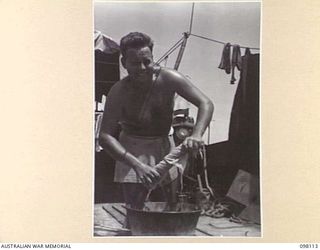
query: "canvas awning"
104, 43
107, 71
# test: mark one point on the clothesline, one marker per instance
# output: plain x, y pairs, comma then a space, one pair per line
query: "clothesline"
216, 41
207, 38
186, 35
177, 44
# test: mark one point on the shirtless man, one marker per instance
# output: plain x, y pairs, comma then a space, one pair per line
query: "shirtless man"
138, 115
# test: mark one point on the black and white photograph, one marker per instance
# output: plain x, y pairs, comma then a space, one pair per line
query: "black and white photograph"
177, 119
131, 123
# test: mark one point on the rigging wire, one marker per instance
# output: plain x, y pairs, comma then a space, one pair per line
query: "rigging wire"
167, 54
180, 42
173, 48
171, 51
216, 41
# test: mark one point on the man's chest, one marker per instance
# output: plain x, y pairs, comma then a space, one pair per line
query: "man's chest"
155, 103
132, 103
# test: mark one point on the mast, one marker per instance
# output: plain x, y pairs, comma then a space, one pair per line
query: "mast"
184, 43
181, 51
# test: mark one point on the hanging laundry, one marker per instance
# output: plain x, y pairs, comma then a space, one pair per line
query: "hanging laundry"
225, 59
248, 52
244, 119
235, 61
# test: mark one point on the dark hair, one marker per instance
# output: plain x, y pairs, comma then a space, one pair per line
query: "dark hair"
135, 40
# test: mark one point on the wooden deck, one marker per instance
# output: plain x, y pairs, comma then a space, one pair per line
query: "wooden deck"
109, 219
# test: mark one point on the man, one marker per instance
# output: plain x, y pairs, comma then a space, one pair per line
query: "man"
138, 116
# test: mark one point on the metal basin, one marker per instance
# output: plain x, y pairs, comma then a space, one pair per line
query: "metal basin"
164, 219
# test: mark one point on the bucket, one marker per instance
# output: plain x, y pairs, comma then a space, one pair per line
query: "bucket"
163, 219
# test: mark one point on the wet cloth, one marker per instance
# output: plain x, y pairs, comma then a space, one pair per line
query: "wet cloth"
225, 62
166, 188
235, 61
149, 150
177, 158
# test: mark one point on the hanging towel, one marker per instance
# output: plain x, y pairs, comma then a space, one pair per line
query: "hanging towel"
235, 61
225, 59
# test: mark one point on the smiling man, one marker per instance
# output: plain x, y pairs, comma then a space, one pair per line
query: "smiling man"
137, 119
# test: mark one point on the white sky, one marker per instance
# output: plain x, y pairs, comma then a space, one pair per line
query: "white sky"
237, 23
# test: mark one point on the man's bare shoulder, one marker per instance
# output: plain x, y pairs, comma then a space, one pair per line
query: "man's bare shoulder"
170, 74
171, 77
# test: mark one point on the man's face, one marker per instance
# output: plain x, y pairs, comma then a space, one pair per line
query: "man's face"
139, 64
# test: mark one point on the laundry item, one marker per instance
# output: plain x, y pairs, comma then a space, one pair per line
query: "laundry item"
225, 59
235, 61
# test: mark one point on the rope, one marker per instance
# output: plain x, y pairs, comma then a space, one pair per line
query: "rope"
173, 48
169, 52
216, 41
206, 173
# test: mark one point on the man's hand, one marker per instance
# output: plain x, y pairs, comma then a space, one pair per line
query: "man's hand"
147, 174
193, 144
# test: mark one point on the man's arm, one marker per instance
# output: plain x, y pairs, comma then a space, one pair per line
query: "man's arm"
188, 91
110, 131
